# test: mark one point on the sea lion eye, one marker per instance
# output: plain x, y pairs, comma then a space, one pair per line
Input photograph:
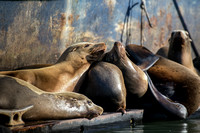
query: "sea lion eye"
74, 49
87, 45
89, 103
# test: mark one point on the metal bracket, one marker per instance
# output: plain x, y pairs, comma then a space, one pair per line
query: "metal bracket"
15, 115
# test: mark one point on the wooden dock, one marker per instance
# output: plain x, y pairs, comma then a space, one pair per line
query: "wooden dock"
78, 125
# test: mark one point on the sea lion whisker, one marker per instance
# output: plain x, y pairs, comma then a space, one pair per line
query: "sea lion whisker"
127, 52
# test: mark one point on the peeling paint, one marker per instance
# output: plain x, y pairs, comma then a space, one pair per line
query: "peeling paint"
35, 32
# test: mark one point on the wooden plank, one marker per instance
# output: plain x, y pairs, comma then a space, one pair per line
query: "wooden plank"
78, 124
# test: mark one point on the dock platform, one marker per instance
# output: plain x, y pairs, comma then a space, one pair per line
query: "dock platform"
79, 124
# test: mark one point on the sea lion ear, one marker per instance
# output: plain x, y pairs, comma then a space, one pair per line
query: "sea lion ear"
74, 49
187, 34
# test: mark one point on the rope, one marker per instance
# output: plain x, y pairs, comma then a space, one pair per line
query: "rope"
185, 27
127, 22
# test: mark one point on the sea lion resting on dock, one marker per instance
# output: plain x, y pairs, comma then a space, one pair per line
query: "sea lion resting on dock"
175, 81
135, 79
64, 75
16, 94
104, 85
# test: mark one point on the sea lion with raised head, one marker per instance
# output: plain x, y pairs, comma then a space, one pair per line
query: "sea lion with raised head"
16, 94
135, 79
104, 85
173, 80
64, 75
180, 49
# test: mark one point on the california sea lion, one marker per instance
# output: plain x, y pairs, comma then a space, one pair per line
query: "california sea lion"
104, 85
169, 76
64, 75
135, 79
180, 49
185, 83
16, 93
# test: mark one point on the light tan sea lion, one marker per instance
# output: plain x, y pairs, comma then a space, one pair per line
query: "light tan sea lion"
64, 75
16, 94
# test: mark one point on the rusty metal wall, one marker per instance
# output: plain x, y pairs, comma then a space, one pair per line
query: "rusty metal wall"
35, 32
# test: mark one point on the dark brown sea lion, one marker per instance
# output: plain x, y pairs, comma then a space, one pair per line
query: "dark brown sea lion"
175, 81
16, 93
185, 83
135, 79
180, 49
104, 85
64, 75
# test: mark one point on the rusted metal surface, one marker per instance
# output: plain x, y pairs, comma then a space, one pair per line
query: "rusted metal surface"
36, 32
132, 116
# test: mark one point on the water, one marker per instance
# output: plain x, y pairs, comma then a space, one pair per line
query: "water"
182, 126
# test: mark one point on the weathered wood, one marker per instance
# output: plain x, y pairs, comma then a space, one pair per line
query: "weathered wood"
130, 116
15, 115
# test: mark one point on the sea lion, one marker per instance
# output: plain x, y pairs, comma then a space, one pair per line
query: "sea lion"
185, 84
104, 85
175, 81
135, 79
64, 75
16, 93
180, 49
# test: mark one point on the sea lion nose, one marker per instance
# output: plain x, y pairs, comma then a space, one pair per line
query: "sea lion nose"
101, 43
117, 43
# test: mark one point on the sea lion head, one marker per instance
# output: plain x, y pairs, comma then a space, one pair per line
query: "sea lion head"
84, 52
179, 37
79, 105
180, 49
117, 53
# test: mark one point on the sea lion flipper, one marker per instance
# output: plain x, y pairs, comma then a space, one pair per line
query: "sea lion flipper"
141, 56
15, 115
174, 107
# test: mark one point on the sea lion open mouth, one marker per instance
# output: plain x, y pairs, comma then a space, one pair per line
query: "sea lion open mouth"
97, 52
100, 49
